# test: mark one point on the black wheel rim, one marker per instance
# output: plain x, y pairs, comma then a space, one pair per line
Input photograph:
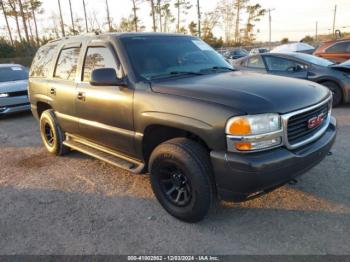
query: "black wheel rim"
49, 135
175, 185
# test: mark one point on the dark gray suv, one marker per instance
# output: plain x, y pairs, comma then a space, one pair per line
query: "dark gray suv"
171, 106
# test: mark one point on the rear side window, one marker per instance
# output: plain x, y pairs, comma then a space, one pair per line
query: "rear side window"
42, 61
67, 64
255, 62
99, 57
342, 47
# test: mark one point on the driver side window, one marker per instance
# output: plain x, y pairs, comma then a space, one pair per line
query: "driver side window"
99, 57
282, 64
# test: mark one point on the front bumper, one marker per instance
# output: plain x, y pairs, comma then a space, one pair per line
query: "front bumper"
240, 176
10, 105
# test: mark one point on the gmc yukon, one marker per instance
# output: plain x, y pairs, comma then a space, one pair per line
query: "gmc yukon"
171, 106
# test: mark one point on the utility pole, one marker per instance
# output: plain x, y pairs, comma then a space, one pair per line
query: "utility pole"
316, 35
86, 23
135, 15
62, 24
335, 14
71, 16
108, 17
7, 23
199, 19
270, 22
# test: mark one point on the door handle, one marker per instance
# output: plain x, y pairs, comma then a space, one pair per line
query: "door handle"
53, 91
81, 96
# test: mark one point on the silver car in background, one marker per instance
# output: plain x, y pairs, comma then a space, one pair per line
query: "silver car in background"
13, 89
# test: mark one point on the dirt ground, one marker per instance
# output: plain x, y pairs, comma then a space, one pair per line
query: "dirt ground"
79, 205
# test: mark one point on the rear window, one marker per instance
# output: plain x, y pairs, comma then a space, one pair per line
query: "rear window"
67, 64
42, 61
13, 73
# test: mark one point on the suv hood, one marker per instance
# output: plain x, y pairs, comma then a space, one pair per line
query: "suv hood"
13, 86
245, 92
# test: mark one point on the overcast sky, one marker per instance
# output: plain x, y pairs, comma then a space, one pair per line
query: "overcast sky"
291, 18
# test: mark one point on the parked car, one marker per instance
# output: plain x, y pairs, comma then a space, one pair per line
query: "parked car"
256, 51
171, 106
337, 51
304, 66
235, 53
13, 89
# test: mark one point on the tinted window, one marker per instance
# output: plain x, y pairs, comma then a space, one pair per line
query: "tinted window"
42, 61
342, 47
67, 64
99, 57
255, 62
281, 64
13, 73
157, 56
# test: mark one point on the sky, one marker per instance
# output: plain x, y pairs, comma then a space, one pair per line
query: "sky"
291, 18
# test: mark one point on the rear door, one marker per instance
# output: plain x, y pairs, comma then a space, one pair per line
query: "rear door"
105, 112
62, 87
286, 67
254, 64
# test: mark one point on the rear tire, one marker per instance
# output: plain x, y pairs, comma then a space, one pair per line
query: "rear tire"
181, 179
336, 90
51, 134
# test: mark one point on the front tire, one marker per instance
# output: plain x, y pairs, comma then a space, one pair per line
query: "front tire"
51, 134
336, 90
181, 179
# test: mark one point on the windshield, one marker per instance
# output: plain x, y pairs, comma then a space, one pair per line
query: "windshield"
313, 59
13, 73
163, 56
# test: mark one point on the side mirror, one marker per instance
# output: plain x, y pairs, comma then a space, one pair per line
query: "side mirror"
105, 77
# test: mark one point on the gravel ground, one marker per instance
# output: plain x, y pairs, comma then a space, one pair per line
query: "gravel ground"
79, 205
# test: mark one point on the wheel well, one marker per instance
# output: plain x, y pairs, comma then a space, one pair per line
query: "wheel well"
41, 107
334, 82
156, 134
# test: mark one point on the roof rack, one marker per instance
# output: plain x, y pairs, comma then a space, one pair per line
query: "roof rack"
94, 33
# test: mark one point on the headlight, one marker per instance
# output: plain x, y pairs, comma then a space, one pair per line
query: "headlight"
3, 95
255, 132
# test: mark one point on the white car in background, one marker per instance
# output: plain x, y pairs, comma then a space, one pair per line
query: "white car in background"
13, 89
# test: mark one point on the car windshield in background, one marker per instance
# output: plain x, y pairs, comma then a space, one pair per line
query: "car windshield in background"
156, 57
13, 73
313, 59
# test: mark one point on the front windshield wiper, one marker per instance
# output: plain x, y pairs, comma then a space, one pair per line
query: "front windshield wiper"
217, 68
174, 74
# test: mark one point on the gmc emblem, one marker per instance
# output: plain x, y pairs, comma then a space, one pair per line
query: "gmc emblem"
315, 121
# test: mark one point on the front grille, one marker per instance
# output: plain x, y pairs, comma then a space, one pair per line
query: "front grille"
18, 93
298, 129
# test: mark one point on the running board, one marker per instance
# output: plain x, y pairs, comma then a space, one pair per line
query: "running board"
102, 153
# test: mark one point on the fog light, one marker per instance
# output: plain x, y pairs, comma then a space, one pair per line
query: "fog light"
4, 95
251, 146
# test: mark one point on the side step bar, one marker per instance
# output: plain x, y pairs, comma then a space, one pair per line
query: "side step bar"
105, 154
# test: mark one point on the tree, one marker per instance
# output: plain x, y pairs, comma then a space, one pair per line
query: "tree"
153, 14
167, 16
192, 27
182, 7
7, 23
255, 12
308, 39
12, 11
136, 20
225, 11
285, 40
21, 9
239, 6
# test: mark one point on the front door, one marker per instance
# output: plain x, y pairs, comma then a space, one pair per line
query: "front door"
105, 112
